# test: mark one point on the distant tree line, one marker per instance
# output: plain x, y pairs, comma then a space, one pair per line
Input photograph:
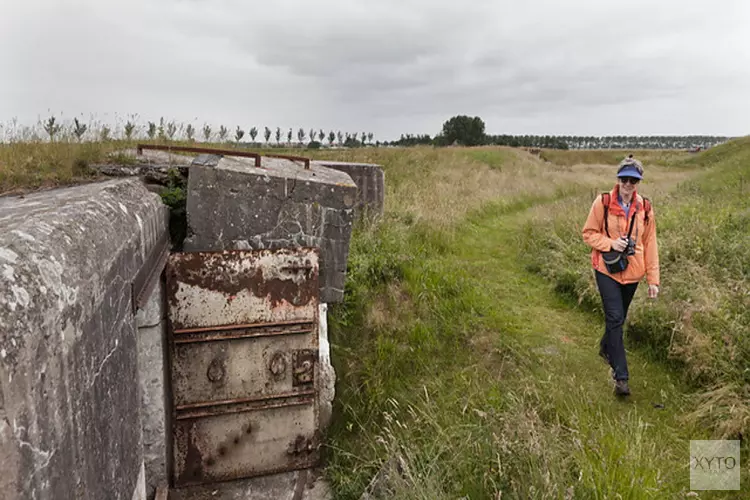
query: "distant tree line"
459, 130
643, 142
469, 131
412, 140
166, 130
572, 142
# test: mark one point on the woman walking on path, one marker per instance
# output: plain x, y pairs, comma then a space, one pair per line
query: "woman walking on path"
621, 231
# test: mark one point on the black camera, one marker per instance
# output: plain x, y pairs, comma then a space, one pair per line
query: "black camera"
630, 249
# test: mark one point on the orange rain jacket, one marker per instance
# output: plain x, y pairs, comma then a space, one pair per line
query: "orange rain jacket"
646, 258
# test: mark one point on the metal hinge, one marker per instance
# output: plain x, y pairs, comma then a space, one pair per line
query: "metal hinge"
147, 276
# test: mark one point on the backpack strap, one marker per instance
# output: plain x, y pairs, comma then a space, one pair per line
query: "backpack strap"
605, 202
646, 209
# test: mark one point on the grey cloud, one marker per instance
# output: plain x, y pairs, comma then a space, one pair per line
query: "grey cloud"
392, 66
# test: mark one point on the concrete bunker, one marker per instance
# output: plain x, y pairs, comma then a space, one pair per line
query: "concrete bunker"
85, 391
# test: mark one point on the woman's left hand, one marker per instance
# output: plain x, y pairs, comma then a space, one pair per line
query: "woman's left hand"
653, 291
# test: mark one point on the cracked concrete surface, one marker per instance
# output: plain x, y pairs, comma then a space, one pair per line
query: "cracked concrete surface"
236, 205
70, 424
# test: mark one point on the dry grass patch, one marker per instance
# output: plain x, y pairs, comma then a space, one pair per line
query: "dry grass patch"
440, 187
723, 408
28, 166
663, 157
389, 309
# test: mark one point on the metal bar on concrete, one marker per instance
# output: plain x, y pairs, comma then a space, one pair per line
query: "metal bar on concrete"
245, 334
192, 149
238, 327
209, 412
308, 392
304, 160
147, 276
222, 152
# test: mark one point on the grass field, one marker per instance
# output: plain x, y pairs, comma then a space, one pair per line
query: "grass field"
465, 357
466, 348
40, 164
660, 157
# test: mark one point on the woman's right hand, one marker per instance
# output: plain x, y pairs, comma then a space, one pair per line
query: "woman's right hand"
619, 245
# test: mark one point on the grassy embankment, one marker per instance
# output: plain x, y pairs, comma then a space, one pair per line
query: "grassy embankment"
458, 359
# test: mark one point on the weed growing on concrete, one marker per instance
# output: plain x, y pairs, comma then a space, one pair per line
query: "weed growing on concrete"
175, 197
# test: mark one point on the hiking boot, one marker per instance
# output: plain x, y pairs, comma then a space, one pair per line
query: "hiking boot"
621, 388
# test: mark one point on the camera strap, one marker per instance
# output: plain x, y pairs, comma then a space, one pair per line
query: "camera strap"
605, 202
632, 221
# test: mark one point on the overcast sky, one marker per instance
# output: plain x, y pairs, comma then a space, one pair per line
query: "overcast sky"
589, 67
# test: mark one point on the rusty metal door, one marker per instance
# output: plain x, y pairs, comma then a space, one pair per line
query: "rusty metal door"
243, 359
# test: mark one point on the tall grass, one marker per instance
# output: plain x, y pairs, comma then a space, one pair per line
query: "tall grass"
440, 187
30, 165
414, 392
442, 389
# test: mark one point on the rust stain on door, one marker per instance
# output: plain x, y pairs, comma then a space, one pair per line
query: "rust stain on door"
244, 363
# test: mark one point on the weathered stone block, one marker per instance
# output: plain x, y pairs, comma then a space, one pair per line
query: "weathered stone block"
70, 426
370, 181
239, 206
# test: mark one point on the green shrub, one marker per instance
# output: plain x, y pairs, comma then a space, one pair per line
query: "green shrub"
175, 197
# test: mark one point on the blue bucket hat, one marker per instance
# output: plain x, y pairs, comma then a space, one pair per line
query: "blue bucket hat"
630, 167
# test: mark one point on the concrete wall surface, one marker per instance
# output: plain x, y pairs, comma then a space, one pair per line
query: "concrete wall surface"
70, 418
370, 181
237, 206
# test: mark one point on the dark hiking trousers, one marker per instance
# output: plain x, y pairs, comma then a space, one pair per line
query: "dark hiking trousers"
616, 299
